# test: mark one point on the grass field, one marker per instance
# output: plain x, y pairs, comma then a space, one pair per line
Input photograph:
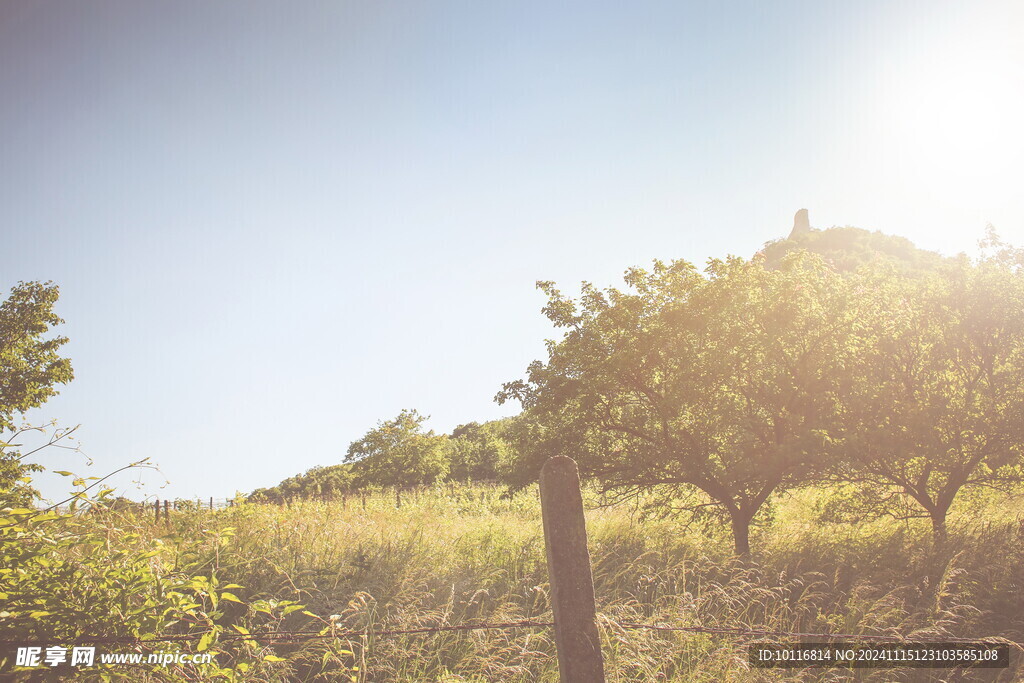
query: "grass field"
448, 556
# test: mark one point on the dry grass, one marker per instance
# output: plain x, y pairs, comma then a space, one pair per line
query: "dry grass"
451, 556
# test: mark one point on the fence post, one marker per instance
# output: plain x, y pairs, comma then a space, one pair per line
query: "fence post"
572, 583
211, 502
167, 510
157, 510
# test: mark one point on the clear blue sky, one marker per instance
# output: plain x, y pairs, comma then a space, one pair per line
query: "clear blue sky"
274, 224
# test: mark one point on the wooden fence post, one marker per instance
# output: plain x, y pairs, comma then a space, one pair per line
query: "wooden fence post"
572, 582
211, 502
167, 510
157, 510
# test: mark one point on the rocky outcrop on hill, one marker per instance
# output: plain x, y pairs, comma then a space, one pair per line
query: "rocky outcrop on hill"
801, 224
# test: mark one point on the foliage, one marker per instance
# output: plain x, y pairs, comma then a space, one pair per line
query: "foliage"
30, 366
317, 482
728, 383
93, 574
481, 452
938, 401
399, 452
848, 248
459, 554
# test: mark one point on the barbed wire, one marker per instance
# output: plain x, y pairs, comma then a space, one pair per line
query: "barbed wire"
335, 633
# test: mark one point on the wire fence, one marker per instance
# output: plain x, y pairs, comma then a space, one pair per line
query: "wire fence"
373, 496
396, 497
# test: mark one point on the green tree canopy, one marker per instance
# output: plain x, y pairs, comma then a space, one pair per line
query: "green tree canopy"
938, 402
317, 482
480, 452
30, 366
728, 383
399, 452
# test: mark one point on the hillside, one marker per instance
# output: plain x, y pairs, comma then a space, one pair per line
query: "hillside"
847, 247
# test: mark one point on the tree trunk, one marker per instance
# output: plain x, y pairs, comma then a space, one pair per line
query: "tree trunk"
741, 535
939, 532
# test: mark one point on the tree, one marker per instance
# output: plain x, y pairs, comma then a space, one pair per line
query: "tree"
30, 366
480, 452
938, 405
728, 383
399, 452
317, 482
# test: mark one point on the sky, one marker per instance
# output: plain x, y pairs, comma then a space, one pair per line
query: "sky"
275, 224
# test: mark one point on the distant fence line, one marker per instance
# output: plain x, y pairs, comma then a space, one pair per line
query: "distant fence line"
393, 495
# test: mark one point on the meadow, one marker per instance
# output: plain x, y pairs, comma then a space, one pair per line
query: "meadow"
464, 554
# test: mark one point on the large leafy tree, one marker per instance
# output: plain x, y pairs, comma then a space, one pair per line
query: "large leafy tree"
938, 405
727, 382
480, 452
30, 367
399, 452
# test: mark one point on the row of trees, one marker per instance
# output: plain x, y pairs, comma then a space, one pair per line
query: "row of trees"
869, 361
401, 452
761, 375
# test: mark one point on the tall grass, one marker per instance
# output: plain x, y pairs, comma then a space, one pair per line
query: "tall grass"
453, 555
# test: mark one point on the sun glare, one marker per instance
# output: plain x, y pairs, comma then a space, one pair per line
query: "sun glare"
961, 113
952, 110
